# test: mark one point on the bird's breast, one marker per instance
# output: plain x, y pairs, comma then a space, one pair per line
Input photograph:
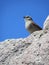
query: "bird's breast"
27, 24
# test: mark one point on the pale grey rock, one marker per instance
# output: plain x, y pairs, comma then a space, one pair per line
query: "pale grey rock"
46, 23
37, 53
33, 50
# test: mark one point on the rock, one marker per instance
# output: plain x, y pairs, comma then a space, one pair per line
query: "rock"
46, 23
32, 50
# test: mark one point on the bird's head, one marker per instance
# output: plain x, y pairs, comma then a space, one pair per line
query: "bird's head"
27, 18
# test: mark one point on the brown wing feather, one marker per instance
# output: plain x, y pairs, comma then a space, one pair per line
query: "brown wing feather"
37, 26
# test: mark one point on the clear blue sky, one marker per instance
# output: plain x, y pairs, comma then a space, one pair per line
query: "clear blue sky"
12, 12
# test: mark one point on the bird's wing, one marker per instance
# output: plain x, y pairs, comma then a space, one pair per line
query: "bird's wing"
37, 26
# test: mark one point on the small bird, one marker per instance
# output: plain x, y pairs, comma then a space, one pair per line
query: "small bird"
30, 25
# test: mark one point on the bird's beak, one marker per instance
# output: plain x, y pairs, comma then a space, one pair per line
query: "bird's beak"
24, 17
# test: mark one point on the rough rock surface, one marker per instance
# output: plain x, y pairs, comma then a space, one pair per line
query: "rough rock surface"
32, 50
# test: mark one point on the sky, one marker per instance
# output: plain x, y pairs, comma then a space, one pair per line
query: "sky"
12, 25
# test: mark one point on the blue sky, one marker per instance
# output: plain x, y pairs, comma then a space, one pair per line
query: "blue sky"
12, 12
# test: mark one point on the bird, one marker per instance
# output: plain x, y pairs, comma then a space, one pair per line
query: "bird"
30, 25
